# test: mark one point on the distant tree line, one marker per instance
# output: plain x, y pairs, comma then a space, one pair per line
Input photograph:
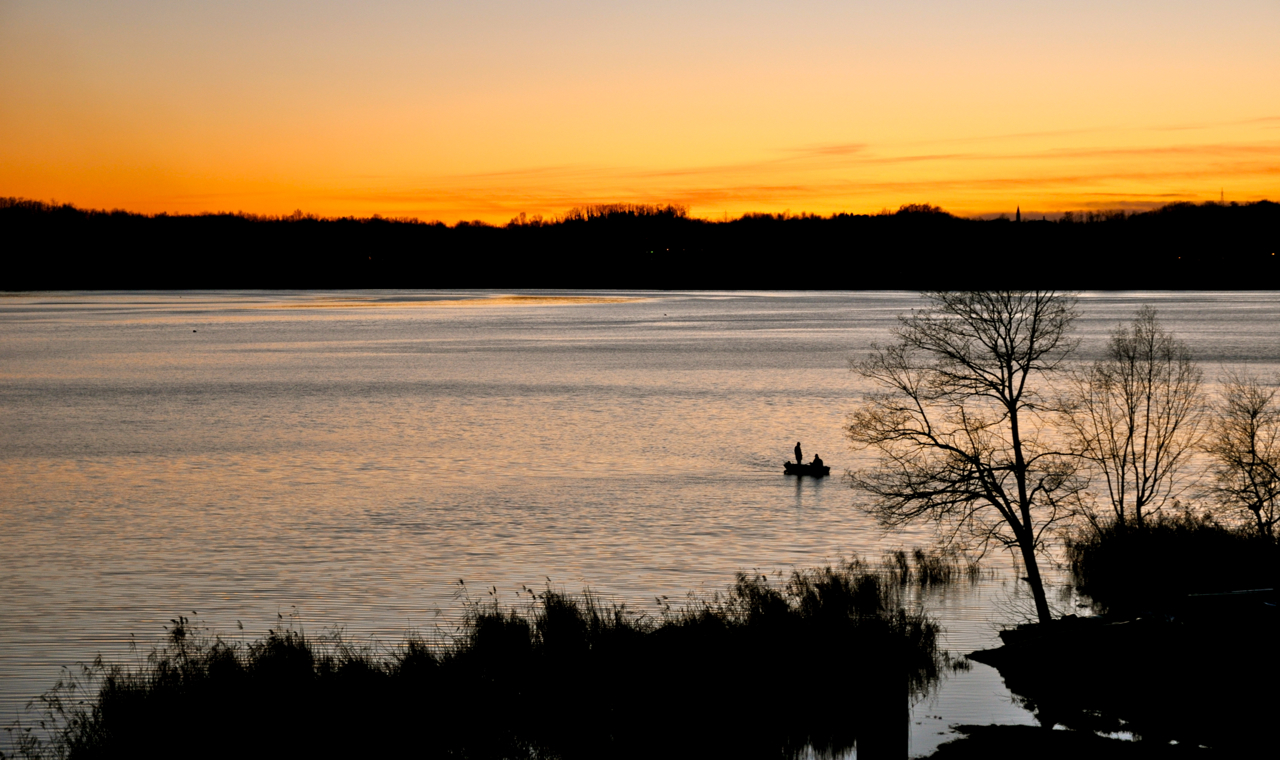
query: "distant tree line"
635, 245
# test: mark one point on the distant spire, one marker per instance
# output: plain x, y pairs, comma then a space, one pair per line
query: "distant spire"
1017, 217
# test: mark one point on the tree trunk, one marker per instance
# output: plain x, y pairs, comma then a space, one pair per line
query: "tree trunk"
1033, 580
1026, 535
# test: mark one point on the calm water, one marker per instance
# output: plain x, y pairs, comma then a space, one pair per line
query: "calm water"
349, 458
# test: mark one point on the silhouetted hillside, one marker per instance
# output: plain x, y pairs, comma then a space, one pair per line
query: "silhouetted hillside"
1178, 246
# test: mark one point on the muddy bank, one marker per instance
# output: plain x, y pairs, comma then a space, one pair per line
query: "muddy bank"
1201, 673
1021, 742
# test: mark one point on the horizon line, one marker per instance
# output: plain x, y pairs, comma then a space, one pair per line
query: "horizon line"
713, 217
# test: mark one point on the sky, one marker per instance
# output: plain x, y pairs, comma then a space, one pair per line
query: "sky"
484, 109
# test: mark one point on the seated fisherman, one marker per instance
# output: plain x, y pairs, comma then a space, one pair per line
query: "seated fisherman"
817, 461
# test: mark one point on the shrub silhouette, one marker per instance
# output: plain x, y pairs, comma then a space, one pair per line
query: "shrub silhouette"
826, 658
1130, 568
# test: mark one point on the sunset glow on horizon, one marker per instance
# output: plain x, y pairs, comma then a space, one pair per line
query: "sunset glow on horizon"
484, 110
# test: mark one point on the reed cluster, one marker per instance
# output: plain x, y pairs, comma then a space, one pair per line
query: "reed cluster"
931, 568
824, 658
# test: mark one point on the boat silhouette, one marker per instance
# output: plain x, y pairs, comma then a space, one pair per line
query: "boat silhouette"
817, 471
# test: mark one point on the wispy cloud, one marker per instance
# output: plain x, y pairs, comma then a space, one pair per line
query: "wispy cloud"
1049, 170
838, 149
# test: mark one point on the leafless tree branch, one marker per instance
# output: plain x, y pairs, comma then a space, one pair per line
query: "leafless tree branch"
957, 425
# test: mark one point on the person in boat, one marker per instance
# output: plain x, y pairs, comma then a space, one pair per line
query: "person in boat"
817, 461
799, 454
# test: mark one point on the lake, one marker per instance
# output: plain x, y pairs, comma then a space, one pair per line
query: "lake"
369, 459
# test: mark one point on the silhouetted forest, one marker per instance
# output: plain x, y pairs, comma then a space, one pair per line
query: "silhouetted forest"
1183, 245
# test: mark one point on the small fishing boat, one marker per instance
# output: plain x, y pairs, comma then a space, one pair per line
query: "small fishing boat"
791, 468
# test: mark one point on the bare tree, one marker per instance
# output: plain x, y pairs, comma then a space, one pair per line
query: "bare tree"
1134, 415
962, 435
1244, 445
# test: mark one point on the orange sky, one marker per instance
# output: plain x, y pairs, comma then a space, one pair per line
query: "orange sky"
489, 108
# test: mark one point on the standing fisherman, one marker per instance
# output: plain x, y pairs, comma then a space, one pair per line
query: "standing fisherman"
798, 454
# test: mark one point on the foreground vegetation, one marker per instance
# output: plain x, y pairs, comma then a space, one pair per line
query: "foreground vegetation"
1180, 245
825, 658
1181, 652
1153, 567
981, 428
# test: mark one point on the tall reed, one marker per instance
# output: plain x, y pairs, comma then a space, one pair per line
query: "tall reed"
824, 658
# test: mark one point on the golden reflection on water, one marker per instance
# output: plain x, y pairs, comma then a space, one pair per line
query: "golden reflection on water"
496, 300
